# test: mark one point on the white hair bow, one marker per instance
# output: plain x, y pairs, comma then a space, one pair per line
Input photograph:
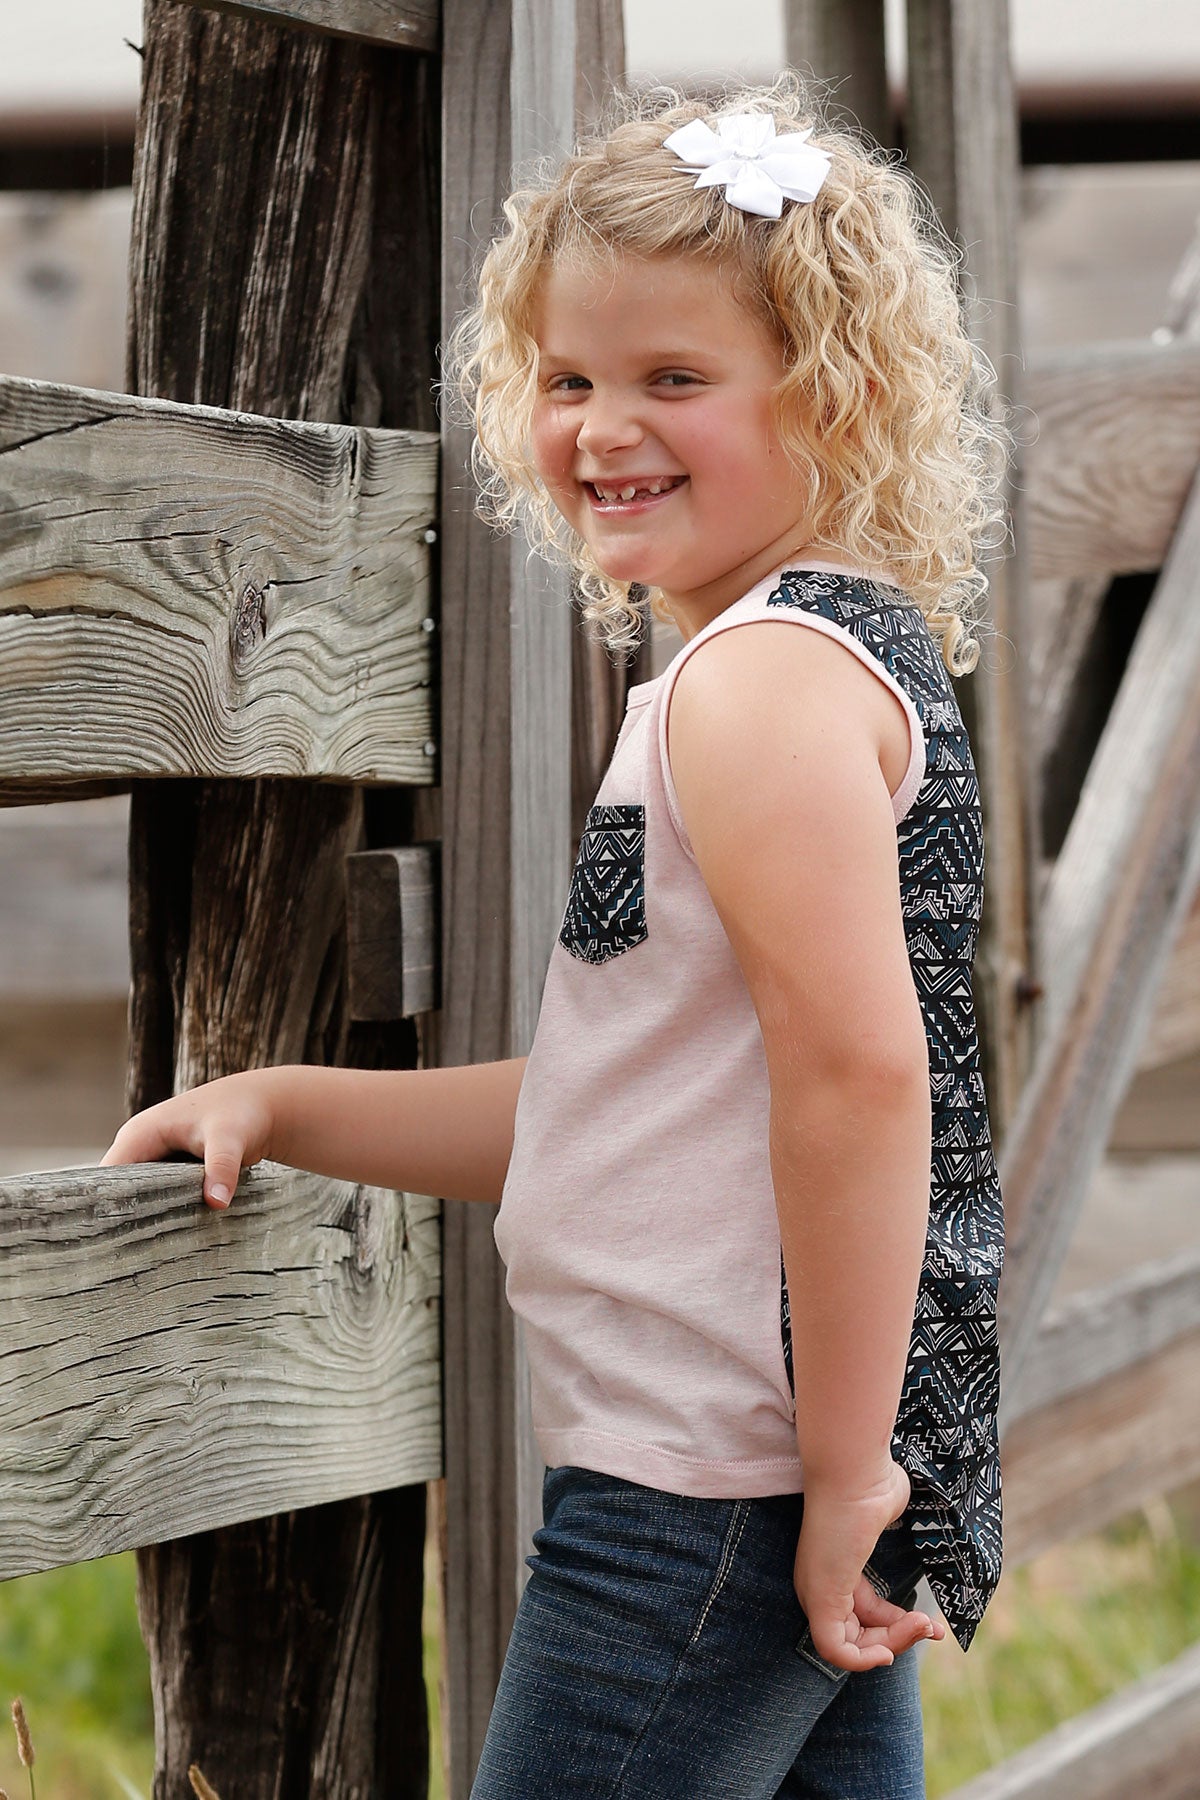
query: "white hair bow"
760, 170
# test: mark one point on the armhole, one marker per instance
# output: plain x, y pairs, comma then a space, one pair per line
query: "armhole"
905, 794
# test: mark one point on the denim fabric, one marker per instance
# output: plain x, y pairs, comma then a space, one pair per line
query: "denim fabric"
659, 1653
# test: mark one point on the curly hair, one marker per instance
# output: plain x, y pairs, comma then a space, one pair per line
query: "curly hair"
887, 409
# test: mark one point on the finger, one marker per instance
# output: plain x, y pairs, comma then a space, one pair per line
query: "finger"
222, 1167
885, 1623
141, 1139
848, 1650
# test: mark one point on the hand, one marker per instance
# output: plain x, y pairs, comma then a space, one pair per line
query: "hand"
227, 1123
851, 1626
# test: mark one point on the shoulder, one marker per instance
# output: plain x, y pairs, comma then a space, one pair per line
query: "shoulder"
792, 686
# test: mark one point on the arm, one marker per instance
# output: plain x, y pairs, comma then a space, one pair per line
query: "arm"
776, 741
447, 1132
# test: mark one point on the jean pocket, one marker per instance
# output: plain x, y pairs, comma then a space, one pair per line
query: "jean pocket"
606, 905
808, 1650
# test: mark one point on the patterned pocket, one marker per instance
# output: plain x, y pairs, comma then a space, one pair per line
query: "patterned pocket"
606, 906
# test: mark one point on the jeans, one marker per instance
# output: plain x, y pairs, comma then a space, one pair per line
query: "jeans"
659, 1653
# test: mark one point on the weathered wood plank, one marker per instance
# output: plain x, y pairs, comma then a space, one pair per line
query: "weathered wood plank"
1082, 1462
1121, 888
842, 42
1144, 1740
962, 145
165, 1368
391, 929
273, 271
1101, 1332
509, 83
185, 591
1117, 447
1174, 1030
404, 24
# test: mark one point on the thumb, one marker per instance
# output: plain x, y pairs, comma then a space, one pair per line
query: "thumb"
222, 1167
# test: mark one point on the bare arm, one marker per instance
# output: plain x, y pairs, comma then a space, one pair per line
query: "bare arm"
777, 736
447, 1132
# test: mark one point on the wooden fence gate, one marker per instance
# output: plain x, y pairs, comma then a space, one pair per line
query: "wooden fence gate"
359, 742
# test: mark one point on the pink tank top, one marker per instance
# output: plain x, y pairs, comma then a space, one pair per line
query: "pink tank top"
637, 1222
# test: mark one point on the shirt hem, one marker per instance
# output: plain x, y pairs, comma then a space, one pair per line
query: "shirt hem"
705, 1478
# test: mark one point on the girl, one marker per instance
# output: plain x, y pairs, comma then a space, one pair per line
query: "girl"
750, 1212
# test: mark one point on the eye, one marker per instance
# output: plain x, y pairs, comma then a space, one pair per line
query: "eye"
677, 378
567, 384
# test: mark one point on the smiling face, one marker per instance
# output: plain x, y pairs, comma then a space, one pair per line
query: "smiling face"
654, 430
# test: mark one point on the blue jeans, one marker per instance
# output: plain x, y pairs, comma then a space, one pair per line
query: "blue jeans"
659, 1653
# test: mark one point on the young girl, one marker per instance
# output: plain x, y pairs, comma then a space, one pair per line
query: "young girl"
750, 1212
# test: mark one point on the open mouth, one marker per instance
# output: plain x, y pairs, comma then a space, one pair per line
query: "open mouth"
632, 493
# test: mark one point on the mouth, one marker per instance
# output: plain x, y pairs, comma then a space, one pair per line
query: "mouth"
625, 496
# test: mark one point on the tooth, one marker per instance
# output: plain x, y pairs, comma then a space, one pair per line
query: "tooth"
627, 493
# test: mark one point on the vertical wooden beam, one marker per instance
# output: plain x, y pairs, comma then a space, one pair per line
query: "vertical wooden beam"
599, 685
285, 1654
842, 42
962, 145
509, 87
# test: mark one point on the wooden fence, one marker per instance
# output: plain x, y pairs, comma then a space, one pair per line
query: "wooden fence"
358, 741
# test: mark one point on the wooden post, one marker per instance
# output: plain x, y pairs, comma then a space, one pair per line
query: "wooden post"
842, 42
285, 1654
510, 74
962, 145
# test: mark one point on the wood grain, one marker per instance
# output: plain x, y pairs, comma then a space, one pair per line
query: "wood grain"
286, 1651
392, 907
186, 591
166, 1368
1144, 1740
842, 43
404, 24
1085, 1461
1100, 1332
1121, 888
1116, 448
961, 126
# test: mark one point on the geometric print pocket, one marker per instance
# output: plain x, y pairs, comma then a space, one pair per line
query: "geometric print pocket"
606, 905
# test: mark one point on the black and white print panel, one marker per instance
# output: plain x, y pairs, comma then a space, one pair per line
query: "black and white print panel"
946, 1427
606, 905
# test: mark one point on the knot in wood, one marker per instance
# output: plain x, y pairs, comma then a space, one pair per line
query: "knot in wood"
248, 626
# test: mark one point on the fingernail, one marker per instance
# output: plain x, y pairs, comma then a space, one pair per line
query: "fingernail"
219, 1196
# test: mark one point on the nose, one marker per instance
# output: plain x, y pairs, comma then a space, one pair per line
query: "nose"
610, 422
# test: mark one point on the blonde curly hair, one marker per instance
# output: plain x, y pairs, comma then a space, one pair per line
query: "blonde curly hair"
887, 409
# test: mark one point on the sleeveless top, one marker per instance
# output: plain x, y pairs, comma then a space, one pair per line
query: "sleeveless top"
637, 1222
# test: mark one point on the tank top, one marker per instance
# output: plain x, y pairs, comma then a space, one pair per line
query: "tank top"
637, 1222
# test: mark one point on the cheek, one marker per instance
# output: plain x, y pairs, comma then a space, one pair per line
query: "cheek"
553, 445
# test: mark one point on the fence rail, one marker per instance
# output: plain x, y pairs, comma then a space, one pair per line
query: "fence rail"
165, 1368
187, 591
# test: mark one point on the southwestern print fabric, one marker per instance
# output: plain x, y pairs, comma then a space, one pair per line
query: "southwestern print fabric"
946, 1428
606, 905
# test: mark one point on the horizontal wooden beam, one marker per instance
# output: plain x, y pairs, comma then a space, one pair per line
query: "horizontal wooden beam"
405, 24
165, 1368
1122, 886
1144, 1740
1102, 1332
187, 591
1117, 446
1104, 1416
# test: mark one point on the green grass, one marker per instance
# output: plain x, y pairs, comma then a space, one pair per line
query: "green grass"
1060, 1635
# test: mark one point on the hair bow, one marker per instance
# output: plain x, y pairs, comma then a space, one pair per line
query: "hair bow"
760, 170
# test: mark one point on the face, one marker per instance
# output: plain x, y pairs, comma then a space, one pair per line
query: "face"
654, 432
